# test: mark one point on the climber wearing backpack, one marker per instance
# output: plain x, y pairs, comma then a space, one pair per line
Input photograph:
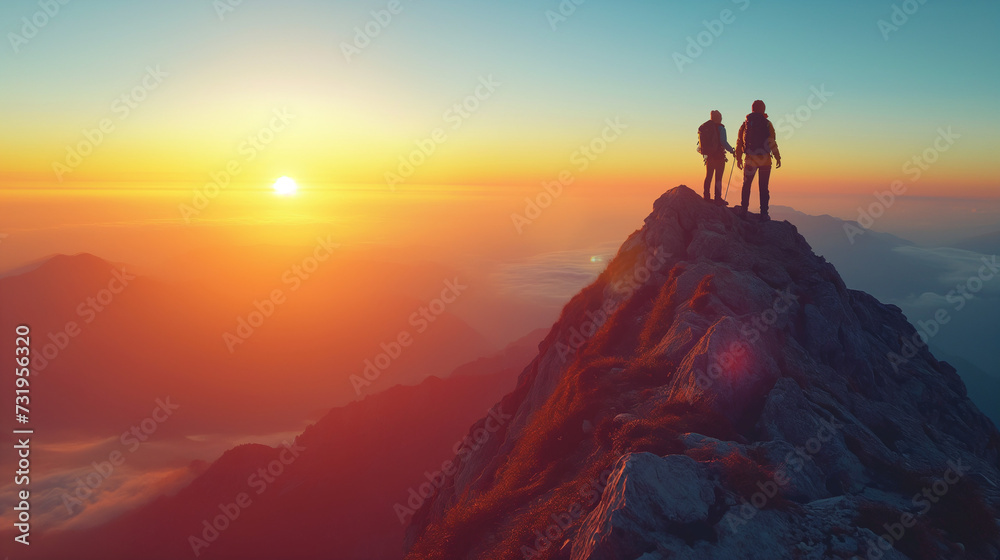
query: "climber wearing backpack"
713, 145
756, 140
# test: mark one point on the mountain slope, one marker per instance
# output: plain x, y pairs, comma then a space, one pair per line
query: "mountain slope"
983, 387
917, 279
718, 392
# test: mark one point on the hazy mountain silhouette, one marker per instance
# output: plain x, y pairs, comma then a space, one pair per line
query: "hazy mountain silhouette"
159, 340
987, 243
336, 499
156, 338
869, 263
741, 361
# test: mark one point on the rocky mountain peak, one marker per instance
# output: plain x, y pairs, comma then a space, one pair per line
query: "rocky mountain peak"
718, 392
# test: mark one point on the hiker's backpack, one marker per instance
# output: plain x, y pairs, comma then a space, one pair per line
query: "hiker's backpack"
757, 135
708, 140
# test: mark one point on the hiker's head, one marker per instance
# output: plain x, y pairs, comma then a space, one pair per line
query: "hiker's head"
758, 106
717, 117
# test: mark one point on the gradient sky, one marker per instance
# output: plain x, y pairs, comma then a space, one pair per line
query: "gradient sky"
226, 76
558, 86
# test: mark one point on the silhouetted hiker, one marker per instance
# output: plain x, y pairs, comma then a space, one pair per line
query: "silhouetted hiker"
713, 145
756, 140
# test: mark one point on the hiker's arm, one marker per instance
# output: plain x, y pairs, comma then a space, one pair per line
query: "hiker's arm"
774, 143
740, 141
724, 140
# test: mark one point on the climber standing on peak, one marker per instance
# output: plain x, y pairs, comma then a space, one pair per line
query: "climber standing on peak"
756, 140
713, 145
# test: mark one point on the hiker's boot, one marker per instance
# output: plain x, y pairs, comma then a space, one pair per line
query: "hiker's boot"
764, 217
721, 202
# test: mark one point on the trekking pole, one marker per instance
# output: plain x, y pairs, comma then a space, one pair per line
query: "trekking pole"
730, 179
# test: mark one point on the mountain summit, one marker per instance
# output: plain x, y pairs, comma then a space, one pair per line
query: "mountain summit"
718, 392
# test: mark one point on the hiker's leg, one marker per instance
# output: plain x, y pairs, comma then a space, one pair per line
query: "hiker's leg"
709, 169
765, 195
748, 173
720, 170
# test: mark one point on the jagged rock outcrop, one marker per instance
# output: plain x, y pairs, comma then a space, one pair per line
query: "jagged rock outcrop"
718, 392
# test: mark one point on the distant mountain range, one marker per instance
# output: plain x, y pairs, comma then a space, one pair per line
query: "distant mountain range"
343, 493
987, 243
155, 338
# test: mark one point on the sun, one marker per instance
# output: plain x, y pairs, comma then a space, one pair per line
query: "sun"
285, 186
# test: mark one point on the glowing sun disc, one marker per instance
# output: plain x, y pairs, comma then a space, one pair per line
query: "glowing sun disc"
285, 186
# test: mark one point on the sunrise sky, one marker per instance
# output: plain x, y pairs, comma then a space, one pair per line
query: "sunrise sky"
152, 135
223, 77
